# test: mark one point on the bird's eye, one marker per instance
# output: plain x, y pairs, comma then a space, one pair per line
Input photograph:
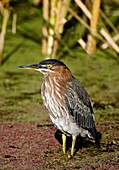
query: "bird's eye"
49, 66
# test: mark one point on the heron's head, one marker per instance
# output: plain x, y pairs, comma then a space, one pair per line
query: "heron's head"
46, 66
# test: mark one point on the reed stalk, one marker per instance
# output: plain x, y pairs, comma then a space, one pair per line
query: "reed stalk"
91, 40
51, 31
6, 14
45, 27
59, 24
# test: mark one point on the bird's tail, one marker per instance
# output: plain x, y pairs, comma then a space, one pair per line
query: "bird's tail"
95, 136
98, 138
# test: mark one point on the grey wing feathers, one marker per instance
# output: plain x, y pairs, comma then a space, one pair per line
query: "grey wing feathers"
79, 105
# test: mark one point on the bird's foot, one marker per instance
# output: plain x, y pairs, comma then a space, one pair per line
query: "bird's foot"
69, 156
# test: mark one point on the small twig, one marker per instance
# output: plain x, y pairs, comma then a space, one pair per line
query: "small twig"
109, 40
82, 43
74, 14
84, 9
14, 23
105, 45
78, 18
109, 22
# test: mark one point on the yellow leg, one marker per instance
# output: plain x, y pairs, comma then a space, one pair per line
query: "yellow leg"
73, 145
64, 143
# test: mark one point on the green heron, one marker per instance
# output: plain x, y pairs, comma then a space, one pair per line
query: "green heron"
67, 102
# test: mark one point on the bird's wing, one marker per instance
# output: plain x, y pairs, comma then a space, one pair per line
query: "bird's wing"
79, 105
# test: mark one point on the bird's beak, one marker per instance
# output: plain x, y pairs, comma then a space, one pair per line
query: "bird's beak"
29, 67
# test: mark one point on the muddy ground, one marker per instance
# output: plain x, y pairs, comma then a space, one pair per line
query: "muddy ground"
31, 146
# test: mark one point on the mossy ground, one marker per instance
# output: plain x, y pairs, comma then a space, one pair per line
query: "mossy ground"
27, 135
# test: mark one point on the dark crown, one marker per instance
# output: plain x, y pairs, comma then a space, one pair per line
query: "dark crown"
54, 62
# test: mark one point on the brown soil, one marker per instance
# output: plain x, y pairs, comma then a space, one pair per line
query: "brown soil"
30, 146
